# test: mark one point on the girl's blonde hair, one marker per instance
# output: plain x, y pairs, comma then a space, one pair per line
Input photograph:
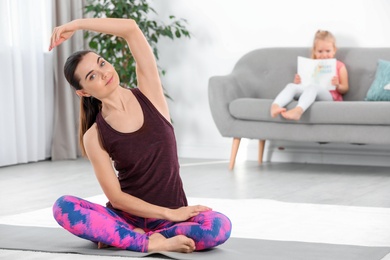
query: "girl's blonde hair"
324, 36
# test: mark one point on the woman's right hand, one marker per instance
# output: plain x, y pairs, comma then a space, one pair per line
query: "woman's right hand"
185, 213
62, 33
297, 79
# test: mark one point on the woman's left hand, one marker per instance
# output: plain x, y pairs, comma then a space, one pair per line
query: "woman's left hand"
184, 213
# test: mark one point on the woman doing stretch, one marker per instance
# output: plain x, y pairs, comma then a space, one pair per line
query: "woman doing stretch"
147, 209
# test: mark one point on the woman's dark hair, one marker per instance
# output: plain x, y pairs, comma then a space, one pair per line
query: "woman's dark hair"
89, 106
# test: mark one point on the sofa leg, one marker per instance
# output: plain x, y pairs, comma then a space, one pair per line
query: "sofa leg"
261, 150
235, 146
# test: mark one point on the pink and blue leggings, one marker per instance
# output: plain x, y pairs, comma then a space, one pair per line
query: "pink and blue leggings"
100, 224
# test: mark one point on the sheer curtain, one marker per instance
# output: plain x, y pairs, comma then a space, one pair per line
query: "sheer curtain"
38, 109
26, 86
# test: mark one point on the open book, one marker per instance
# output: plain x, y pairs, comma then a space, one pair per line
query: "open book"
319, 72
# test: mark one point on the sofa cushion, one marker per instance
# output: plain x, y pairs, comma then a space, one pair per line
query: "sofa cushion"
380, 88
321, 112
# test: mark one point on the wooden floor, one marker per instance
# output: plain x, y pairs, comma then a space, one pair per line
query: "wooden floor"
27, 187
33, 186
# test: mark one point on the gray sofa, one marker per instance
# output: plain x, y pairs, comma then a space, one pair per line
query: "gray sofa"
240, 102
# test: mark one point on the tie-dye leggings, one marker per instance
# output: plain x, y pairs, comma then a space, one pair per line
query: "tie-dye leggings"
100, 224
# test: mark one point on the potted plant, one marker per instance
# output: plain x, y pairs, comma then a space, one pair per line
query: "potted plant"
115, 49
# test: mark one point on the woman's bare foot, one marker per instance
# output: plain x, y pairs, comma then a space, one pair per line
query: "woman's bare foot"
293, 114
102, 245
180, 243
276, 110
139, 230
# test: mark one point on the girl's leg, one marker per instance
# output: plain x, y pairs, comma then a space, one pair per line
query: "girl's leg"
98, 224
207, 230
290, 92
308, 96
324, 95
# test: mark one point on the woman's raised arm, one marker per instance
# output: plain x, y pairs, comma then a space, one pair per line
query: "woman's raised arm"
146, 68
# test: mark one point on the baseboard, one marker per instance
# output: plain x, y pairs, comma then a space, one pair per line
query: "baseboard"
342, 154
297, 152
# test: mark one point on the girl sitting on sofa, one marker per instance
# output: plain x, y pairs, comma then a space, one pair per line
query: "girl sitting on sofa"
324, 47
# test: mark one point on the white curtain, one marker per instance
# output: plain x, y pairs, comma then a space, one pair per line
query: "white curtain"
26, 81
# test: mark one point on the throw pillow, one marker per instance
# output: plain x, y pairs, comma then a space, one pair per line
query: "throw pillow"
380, 87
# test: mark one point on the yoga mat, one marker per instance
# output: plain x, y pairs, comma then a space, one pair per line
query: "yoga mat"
282, 221
58, 240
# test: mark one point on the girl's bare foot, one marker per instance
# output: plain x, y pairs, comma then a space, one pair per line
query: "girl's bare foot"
102, 245
293, 114
180, 243
276, 110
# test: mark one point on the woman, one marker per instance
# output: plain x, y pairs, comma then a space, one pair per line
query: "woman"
147, 209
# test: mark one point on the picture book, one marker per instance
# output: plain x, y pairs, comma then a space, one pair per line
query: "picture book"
319, 72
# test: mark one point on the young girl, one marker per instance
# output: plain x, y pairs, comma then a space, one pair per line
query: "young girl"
324, 47
147, 209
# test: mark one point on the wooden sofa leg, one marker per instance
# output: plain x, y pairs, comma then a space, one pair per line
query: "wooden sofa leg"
261, 150
235, 146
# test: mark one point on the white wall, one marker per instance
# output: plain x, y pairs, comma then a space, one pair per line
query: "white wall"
223, 31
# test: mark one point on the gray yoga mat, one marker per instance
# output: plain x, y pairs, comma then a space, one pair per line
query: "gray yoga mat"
57, 240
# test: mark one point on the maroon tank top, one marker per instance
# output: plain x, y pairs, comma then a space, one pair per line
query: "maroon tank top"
146, 160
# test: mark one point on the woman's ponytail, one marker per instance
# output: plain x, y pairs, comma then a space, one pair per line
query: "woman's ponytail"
89, 109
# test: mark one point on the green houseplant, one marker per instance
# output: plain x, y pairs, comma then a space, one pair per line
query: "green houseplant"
115, 49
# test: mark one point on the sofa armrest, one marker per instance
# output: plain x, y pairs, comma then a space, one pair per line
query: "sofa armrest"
222, 90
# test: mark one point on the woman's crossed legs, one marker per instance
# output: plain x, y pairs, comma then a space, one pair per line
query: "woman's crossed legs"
116, 228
